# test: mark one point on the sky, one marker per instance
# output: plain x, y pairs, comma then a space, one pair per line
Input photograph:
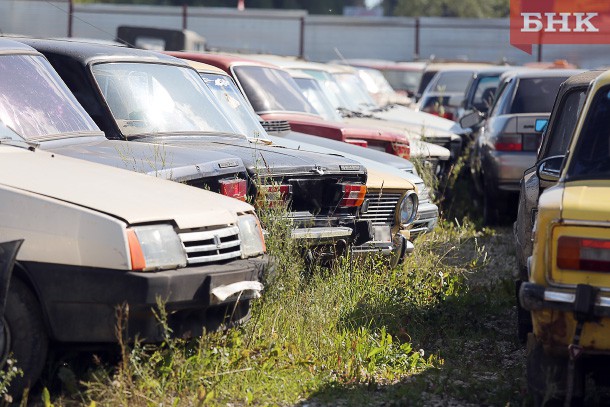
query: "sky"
371, 3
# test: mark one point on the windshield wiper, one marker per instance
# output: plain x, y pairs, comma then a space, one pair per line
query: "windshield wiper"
348, 113
28, 145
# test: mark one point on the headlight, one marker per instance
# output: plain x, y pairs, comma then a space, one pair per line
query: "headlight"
408, 208
155, 247
251, 236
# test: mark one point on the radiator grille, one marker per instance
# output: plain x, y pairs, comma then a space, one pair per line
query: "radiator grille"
211, 245
381, 209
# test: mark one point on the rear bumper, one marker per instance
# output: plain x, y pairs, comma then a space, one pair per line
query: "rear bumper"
81, 303
507, 168
535, 297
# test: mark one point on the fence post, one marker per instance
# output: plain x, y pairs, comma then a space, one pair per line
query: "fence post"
70, 13
302, 37
184, 15
417, 26
540, 47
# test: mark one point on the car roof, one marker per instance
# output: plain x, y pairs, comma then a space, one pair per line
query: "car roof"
13, 45
541, 73
86, 52
584, 78
220, 60
201, 67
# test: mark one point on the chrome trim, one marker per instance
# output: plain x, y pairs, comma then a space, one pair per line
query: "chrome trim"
321, 233
210, 245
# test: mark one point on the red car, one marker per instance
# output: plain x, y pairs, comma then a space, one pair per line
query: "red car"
276, 97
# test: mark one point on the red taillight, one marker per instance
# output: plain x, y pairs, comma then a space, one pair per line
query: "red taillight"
509, 142
353, 195
402, 150
273, 194
234, 188
576, 253
357, 142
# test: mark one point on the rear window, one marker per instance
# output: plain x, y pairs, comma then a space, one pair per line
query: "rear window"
592, 152
536, 95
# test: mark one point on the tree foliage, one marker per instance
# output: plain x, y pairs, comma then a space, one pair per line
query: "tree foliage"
448, 8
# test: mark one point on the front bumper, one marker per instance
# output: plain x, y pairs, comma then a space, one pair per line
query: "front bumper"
397, 249
81, 303
427, 217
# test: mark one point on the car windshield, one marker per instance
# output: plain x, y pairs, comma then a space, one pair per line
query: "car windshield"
315, 95
374, 81
270, 89
536, 95
157, 98
560, 134
450, 82
8, 133
403, 80
233, 104
591, 157
36, 103
329, 86
354, 92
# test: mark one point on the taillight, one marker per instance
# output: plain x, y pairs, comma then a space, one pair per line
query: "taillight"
518, 142
575, 253
273, 195
357, 142
353, 195
402, 150
509, 142
234, 188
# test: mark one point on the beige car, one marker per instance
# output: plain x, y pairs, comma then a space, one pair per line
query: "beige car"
98, 238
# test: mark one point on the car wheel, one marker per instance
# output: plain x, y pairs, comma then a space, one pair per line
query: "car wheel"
490, 209
524, 318
25, 339
547, 376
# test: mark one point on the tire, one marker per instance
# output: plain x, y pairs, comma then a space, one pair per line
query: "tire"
547, 376
524, 318
490, 209
25, 336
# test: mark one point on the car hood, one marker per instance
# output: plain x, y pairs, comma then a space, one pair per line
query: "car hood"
586, 201
134, 198
314, 125
404, 114
308, 142
380, 169
380, 179
265, 159
410, 130
168, 162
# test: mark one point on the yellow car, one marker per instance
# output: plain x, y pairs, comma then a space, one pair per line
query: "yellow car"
568, 292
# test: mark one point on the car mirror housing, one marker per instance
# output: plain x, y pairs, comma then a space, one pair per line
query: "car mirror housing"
549, 169
541, 125
472, 119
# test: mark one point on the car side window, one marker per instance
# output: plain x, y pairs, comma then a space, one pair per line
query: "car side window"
567, 116
495, 107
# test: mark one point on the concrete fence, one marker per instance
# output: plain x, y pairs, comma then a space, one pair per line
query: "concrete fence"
294, 32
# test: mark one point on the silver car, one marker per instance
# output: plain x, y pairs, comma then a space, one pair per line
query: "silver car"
506, 145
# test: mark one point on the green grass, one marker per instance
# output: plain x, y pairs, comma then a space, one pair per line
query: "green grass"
438, 328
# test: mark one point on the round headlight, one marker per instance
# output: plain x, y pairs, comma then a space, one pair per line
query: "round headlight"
408, 208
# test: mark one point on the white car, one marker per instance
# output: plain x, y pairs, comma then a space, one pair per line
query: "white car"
97, 238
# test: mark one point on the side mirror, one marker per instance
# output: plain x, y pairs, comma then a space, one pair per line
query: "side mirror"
471, 120
549, 169
541, 124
